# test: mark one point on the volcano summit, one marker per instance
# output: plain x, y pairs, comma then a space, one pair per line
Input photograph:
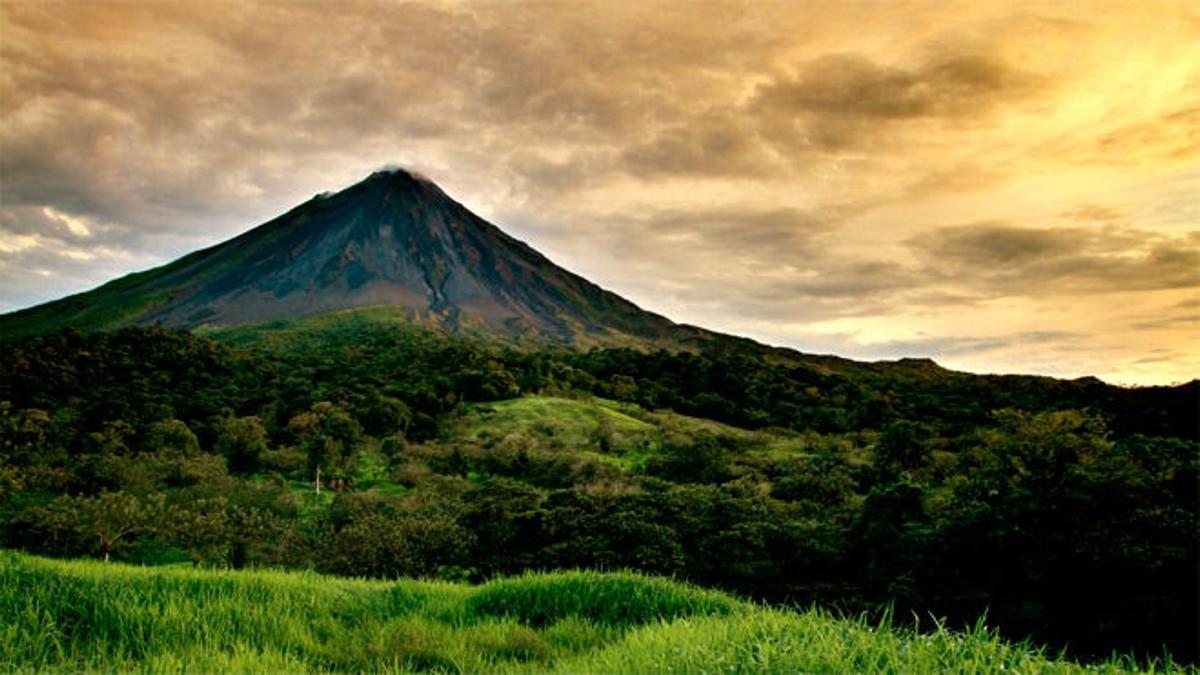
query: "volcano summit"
394, 239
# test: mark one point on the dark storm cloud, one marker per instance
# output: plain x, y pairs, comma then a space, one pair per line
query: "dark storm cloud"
845, 100
852, 85
999, 246
1178, 321
837, 103
999, 258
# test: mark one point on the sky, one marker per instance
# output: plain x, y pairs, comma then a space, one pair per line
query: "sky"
1002, 186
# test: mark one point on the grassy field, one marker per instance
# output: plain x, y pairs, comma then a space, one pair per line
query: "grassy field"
86, 615
633, 434
559, 425
556, 423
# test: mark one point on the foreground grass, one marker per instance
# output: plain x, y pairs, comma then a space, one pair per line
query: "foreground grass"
86, 615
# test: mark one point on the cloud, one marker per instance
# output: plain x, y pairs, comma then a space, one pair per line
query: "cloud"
998, 258
852, 85
963, 176
1173, 135
76, 225
839, 101
997, 245
783, 233
1094, 213
950, 347
834, 103
1169, 322
720, 143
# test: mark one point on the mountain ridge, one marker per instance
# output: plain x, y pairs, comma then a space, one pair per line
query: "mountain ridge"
393, 239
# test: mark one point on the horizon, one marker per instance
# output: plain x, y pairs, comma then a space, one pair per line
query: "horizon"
1001, 188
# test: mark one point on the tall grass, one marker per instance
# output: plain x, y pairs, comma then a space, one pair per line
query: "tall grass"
87, 615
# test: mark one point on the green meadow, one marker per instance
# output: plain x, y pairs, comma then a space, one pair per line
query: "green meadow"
82, 615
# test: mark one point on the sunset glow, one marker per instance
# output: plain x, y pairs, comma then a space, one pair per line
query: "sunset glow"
1003, 187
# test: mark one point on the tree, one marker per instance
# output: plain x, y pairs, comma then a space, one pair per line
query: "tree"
902, 447
22, 432
489, 381
200, 527
111, 439
172, 436
242, 441
388, 538
11, 481
705, 459
256, 536
823, 482
329, 437
504, 514
106, 522
385, 415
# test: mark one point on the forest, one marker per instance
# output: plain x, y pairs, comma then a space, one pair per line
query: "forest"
1063, 511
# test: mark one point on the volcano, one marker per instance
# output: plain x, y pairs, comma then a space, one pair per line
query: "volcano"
394, 240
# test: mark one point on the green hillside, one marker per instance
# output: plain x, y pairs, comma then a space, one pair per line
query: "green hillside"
622, 434
464, 460
83, 615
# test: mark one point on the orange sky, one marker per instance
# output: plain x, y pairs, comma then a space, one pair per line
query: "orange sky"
1004, 186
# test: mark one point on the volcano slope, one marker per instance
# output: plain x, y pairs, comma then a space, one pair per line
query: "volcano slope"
394, 239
